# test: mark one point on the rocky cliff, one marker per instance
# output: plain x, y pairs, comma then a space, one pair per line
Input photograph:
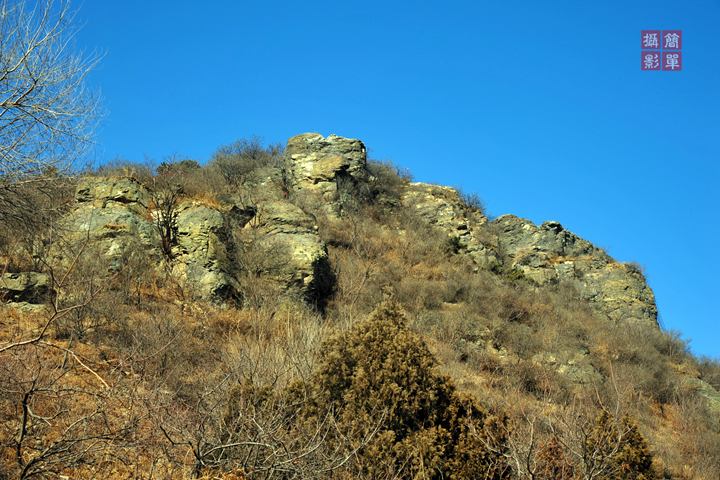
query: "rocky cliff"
545, 254
271, 237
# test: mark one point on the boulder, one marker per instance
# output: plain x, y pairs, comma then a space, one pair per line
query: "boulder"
214, 241
112, 215
281, 242
573, 361
708, 393
200, 254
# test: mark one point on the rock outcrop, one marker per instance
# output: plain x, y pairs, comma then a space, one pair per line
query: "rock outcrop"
545, 254
260, 232
315, 165
113, 214
706, 391
27, 287
213, 243
281, 242
200, 255
549, 253
441, 207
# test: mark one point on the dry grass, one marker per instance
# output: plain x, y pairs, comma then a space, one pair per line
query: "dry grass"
158, 360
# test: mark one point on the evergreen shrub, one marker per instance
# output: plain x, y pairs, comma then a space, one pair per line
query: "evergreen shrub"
380, 374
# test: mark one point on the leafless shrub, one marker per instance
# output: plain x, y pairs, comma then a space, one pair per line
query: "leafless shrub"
237, 162
709, 369
472, 201
167, 189
29, 212
121, 167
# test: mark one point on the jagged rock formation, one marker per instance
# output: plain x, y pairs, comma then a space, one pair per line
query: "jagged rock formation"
213, 242
441, 207
276, 239
315, 165
113, 192
549, 253
544, 254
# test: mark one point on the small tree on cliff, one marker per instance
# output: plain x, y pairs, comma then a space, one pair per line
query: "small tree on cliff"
381, 372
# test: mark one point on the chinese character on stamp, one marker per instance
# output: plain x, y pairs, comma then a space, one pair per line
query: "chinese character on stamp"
650, 60
672, 61
651, 39
661, 50
672, 39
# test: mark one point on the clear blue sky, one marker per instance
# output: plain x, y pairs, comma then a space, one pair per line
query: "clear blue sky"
540, 107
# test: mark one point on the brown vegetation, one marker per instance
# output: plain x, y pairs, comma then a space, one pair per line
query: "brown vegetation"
479, 372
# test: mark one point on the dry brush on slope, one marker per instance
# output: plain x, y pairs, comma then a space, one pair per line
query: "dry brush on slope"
173, 386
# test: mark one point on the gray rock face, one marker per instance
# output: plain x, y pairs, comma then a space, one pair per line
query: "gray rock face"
548, 253
104, 191
573, 362
314, 164
705, 390
279, 240
519, 237
282, 242
200, 255
113, 214
545, 253
24, 287
440, 206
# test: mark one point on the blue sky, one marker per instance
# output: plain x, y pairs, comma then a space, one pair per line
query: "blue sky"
540, 107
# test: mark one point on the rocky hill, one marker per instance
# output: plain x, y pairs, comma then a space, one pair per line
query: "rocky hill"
320, 235
115, 213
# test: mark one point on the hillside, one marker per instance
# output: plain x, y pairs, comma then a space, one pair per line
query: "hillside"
301, 311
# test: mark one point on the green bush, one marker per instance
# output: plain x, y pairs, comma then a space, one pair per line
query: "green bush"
510, 274
381, 373
177, 164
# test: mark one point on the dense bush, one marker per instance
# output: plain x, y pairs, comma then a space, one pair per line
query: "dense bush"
177, 164
380, 373
377, 197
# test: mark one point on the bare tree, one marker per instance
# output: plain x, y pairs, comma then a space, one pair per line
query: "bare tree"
48, 115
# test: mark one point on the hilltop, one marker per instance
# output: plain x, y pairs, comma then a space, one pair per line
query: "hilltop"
150, 311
